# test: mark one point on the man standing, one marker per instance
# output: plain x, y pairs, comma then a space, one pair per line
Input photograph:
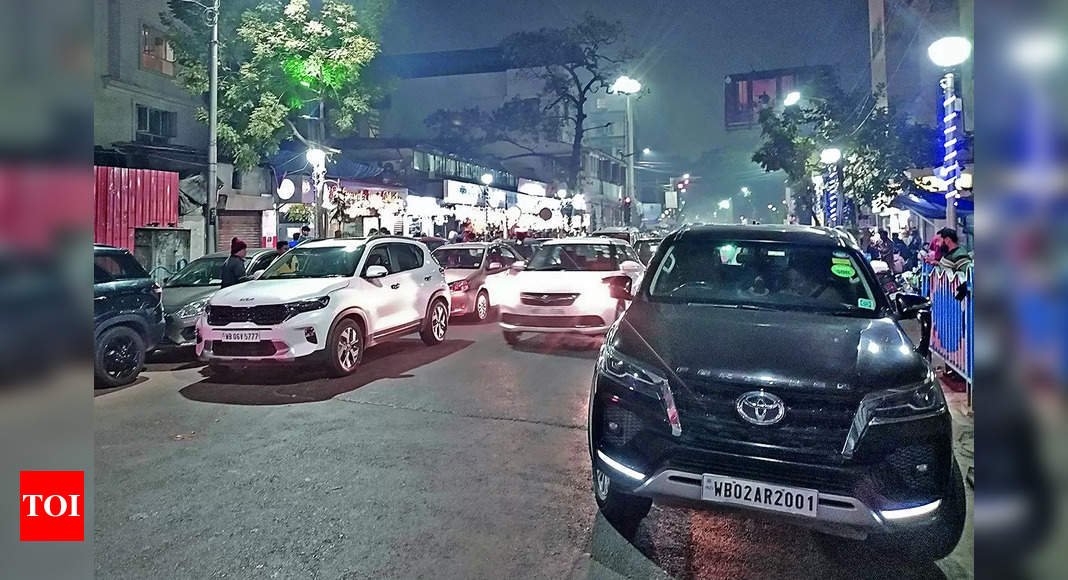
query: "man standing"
953, 257
233, 269
884, 248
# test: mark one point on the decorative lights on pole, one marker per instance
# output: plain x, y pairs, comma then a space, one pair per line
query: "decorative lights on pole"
317, 159
948, 53
628, 86
833, 198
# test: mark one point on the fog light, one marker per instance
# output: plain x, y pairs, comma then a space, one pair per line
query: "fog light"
309, 334
613, 427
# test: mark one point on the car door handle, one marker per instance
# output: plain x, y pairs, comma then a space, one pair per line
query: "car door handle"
395, 286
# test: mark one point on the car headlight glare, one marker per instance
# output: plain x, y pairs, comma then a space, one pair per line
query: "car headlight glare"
194, 308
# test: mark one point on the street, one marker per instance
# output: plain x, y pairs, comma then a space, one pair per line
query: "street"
464, 460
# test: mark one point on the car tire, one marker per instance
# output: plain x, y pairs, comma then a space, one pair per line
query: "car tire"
436, 323
344, 347
624, 511
512, 338
119, 356
482, 306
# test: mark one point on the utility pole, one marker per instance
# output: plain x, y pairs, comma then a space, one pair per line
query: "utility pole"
630, 158
213, 133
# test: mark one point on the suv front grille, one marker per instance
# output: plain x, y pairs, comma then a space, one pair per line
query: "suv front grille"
263, 315
537, 299
814, 424
552, 321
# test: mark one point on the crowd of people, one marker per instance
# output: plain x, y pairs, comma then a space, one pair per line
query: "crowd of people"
904, 254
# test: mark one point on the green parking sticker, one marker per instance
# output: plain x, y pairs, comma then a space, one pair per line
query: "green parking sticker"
840, 261
843, 270
866, 303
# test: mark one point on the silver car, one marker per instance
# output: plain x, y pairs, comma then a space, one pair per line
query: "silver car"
186, 293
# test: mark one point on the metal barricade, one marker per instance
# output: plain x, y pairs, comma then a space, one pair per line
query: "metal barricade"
953, 328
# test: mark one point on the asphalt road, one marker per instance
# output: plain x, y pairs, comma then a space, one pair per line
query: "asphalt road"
465, 460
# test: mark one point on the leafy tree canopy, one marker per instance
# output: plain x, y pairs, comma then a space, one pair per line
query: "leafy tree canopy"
285, 60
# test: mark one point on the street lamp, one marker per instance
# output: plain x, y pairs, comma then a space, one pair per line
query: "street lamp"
646, 151
725, 204
561, 193
628, 87
831, 155
791, 99
948, 53
317, 159
487, 179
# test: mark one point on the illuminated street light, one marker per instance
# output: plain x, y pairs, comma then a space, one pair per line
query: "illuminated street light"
746, 192
646, 151
316, 158
830, 155
487, 178
685, 175
725, 204
626, 85
949, 51
792, 98
561, 193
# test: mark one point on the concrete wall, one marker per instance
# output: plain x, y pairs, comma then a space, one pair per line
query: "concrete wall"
121, 83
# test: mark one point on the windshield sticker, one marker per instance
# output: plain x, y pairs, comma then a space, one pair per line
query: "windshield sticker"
840, 254
777, 253
866, 303
843, 270
840, 261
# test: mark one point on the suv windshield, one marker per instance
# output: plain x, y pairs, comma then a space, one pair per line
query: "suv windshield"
576, 257
463, 258
786, 276
199, 272
315, 262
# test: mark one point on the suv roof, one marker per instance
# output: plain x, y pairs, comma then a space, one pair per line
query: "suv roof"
810, 235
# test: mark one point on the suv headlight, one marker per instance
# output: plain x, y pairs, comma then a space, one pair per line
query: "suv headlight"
194, 308
295, 308
894, 405
643, 378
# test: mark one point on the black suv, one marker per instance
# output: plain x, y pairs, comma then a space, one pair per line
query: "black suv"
763, 368
127, 315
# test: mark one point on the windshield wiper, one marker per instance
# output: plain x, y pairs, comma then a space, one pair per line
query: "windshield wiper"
732, 306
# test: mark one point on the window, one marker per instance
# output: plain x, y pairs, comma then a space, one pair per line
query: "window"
157, 54
315, 262
575, 257
507, 257
114, 266
406, 256
379, 256
155, 126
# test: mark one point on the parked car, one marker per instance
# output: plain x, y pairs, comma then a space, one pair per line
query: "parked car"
473, 271
433, 243
572, 285
625, 233
329, 299
186, 293
127, 316
646, 248
763, 368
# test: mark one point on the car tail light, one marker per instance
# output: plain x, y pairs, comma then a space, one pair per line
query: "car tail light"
460, 286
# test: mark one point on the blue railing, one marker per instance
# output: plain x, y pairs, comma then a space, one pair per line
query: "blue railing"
953, 320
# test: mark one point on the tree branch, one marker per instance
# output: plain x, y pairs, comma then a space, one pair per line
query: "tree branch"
606, 125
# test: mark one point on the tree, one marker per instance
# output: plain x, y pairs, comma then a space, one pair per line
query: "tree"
287, 64
876, 148
571, 64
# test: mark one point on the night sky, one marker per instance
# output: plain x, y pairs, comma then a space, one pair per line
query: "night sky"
685, 48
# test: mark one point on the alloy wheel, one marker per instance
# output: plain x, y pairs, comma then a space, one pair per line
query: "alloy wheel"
439, 321
120, 357
482, 306
348, 348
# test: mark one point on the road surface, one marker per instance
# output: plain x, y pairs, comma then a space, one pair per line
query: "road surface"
464, 460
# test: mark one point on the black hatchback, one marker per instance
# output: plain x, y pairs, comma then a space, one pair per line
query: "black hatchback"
763, 369
127, 316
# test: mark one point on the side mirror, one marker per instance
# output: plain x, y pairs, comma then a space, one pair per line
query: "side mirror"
375, 271
619, 287
496, 266
518, 265
911, 305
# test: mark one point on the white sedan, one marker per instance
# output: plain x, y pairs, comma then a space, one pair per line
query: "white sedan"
573, 285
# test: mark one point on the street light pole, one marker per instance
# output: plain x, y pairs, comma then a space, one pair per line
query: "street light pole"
950, 52
630, 152
211, 14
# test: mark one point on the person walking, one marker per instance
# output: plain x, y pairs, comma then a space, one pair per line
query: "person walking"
233, 269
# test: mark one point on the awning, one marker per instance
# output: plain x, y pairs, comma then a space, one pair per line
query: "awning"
931, 205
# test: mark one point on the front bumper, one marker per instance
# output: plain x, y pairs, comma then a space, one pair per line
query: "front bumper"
588, 316
879, 490
462, 302
297, 338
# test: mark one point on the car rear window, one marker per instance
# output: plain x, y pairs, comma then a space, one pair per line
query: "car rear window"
112, 266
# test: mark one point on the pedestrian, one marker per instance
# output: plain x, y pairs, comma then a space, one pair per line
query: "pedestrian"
233, 269
934, 249
883, 248
296, 240
281, 246
915, 244
901, 250
953, 256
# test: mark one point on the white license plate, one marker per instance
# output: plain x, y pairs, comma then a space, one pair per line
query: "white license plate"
792, 500
558, 311
241, 336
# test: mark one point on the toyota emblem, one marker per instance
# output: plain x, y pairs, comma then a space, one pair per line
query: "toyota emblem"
760, 408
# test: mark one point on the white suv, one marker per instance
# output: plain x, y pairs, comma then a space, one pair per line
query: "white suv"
572, 285
331, 299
